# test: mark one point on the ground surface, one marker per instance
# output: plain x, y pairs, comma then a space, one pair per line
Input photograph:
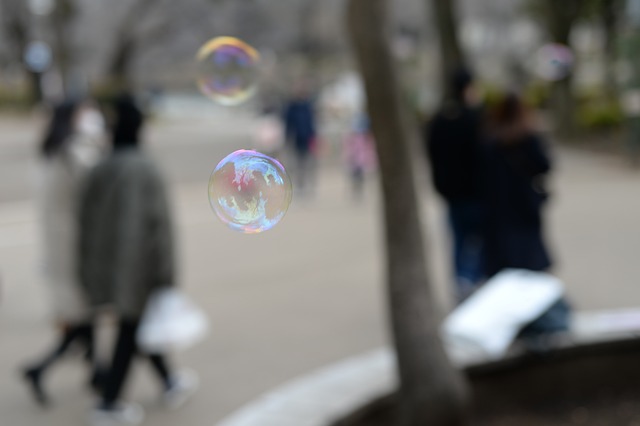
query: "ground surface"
302, 296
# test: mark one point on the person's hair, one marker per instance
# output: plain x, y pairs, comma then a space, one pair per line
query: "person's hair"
459, 82
60, 128
455, 99
128, 120
510, 119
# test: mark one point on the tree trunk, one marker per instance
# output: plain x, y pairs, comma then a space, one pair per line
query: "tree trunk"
451, 53
61, 19
35, 87
130, 38
432, 392
121, 62
610, 19
561, 16
16, 28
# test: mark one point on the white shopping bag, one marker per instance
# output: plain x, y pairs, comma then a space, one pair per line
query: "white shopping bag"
171, 322
487, 322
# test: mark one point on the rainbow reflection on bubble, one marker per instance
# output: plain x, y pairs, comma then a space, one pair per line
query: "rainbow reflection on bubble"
553, 61
250, 192
227, 70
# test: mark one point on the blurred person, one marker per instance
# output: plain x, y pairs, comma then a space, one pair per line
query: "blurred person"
360, 155
516, 166
127, 253
300, 134
269, 133
73, 144
453, 142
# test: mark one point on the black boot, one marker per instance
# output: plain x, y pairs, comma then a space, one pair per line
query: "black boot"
33, 377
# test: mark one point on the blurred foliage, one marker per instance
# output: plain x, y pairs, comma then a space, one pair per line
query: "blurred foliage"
600, 116
15, 98
537, 95
587, 9
491, 94
598, 110
593, 9
106, 93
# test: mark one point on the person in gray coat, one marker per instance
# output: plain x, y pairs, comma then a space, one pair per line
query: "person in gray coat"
126, 254
72, 146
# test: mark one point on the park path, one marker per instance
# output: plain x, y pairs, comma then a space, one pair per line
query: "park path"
303, 295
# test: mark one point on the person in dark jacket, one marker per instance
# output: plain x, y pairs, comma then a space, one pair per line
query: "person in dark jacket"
126, 254
515, 170
516, 165
453, 139
300, 132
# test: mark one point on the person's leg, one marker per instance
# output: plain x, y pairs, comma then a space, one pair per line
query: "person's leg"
98, 369
312, 172
556, 319
475, 217
462, 289
161, 367
123, 355
68, 336
111, 410
301, 171
34, 373
466, 220
178, 387
87, 339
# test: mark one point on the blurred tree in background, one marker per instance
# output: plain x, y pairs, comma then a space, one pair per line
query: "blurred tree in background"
134, 33
15, 21
452, 56
62, 17
608, 16
610, 13
558, 19
151, 44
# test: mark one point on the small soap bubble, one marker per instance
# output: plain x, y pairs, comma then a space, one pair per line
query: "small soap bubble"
227, 70
250, 192
554, 61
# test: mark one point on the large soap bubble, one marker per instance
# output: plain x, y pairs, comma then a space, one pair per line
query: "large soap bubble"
250, 192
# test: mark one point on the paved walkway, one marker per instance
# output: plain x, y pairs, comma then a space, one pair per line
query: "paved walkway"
291, 300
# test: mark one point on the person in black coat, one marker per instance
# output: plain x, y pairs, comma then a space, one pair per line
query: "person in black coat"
516, 165
515, 170
453, 141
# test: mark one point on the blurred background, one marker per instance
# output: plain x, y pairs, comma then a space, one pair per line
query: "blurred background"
310, 291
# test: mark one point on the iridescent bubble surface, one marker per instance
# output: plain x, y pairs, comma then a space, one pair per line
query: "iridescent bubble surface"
227, 70
553, 61
250, 192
